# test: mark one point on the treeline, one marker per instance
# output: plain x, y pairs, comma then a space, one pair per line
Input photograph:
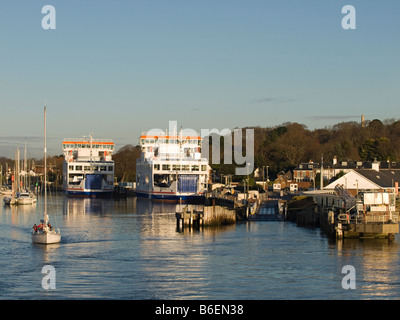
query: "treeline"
284, 146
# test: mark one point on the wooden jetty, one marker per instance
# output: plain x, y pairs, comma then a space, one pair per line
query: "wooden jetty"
210, 216
189, 217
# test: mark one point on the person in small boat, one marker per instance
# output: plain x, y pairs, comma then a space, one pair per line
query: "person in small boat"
35, 227
49, 225
40, 226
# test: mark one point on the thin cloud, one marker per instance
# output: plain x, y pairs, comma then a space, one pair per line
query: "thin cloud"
333, 117
273, 100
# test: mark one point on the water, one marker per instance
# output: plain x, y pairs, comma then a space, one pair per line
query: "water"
129, 249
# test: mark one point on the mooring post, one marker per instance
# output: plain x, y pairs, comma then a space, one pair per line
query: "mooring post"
191, 218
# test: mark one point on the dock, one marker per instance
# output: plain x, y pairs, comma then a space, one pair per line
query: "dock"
210, 216
341, 215
270, 210
190, 218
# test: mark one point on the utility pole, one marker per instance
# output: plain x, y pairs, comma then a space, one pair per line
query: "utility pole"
322, 172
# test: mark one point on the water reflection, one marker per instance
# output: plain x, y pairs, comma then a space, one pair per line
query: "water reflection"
130, 249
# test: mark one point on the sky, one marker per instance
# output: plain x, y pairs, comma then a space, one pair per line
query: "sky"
118, 68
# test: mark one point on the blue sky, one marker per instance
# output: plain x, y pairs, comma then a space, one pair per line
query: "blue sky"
117, 68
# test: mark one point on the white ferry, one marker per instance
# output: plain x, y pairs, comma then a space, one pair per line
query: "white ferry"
88, 167
171, 167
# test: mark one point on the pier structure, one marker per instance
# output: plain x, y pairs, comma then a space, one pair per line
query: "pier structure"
270, 210
213, 215
341, 215
220, 208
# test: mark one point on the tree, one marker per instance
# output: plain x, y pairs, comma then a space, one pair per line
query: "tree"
125, 162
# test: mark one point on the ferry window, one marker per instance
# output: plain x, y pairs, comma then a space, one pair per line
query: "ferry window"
156, 167
186, 167
166, 167
203, 167
151, 141
176, 167
86, 168
96, 168
147, 140
112, 147
78, 167
110, 168
71, 167
103, 168
141, 141
195, 168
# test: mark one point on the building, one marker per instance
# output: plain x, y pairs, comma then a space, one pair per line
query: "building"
374, 179
304, 174
307, 171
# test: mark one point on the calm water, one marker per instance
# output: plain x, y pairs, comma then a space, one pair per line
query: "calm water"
129, 249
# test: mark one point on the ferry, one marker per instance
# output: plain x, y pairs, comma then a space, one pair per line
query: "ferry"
171, 167
88, 168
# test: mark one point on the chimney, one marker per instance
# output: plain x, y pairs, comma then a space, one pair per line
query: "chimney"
334, 160
362, 121
375, 165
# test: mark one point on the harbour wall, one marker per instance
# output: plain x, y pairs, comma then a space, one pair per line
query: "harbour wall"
309, 214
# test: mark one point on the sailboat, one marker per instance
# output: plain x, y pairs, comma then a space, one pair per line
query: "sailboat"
25, 196
44, 233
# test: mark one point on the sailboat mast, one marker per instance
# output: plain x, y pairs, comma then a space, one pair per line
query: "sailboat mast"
45, 170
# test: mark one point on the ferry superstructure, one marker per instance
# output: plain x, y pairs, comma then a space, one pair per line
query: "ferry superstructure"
88, 168
171, 167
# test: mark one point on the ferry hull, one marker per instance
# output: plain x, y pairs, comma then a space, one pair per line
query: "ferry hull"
90, 193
